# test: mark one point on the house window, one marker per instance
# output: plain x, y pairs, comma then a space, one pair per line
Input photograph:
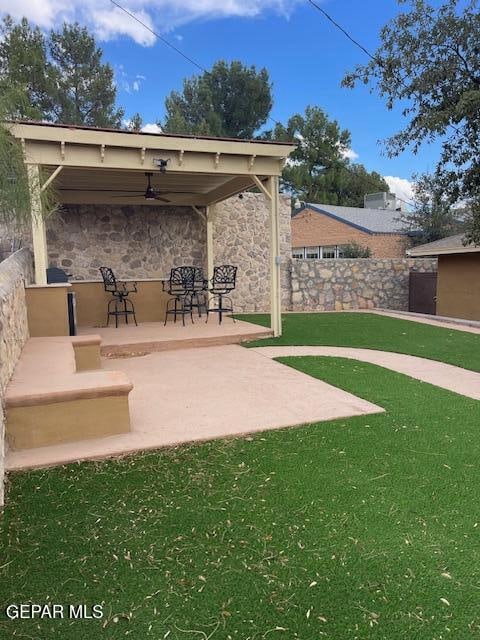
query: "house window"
312, 252
298, 253
329, 252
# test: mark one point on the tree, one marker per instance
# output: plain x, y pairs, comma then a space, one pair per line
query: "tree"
318, 170
24, 68
429, 64
135, 123
63, 76
231, 100
85, 87
15, 206
433, 217
355, 250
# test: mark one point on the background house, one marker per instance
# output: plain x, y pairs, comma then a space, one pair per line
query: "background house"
321, 230
458, 281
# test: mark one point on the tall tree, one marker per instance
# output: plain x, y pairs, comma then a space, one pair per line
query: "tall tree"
15, 206
63, 76
433, 217
85, 86
24, 68
318, 170
230, 100
429, 64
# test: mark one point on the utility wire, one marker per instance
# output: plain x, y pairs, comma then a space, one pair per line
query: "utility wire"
157, 35
379, 61
202, 68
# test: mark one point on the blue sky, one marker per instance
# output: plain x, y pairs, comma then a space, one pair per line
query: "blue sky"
304, 54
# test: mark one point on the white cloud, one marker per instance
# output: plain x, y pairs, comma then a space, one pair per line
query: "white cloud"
136, 85
350, 154
151, 128
401, 187
109, 22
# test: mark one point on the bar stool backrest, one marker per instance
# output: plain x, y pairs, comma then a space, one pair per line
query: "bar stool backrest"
181, 280
224, 278
109, 280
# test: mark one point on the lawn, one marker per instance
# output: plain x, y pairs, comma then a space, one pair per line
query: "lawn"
356, 529
375, 332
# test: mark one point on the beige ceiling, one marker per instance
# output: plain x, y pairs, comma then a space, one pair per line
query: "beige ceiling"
91, 186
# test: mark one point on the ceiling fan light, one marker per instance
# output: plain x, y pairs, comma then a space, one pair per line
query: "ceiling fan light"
150, 193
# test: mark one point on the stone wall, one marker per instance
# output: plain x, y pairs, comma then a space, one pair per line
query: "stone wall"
362, 283
242, 237
146, 241
14, 271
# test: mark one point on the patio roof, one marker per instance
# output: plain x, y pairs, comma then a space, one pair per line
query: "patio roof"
204, 170
88, 165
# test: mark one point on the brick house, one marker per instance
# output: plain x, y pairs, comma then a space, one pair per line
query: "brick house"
321, 230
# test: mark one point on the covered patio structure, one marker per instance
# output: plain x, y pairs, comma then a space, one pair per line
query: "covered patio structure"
89, 166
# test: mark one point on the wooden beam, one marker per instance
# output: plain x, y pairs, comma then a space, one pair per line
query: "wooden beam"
51, 178
74, 136
120, 158
275, 259
39, 236
210, 215
229, 189
262, 187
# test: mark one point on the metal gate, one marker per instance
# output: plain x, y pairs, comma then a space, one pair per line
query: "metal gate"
423, 292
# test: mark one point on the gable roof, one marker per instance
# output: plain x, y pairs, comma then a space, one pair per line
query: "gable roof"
452, 244
367, 220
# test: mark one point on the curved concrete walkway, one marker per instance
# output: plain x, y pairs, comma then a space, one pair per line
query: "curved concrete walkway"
447, 376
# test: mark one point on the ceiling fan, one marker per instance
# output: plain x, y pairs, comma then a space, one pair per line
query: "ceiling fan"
149, 194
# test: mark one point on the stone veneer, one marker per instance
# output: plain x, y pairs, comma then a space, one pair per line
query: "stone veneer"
146, 241
14, 271
361, 283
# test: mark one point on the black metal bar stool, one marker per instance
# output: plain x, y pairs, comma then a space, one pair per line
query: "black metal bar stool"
221, 285
180, 286
198, 295
120, 290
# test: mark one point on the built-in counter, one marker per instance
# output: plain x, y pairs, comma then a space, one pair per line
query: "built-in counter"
92, 300
48, 311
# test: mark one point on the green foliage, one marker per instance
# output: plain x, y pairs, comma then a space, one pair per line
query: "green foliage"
85, 88
24, 68
429, 65
135, 123
231, 100
355, 250
63, 75
433, 217
318, 171
15, 209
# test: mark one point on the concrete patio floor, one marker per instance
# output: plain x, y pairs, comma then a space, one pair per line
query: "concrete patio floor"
154, 336
200, 394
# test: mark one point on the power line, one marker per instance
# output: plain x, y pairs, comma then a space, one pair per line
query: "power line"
379, 61
157, 35
202, 68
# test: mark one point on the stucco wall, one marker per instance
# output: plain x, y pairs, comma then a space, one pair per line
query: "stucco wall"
146, 241
362, 283
313, 229
458, 286
14, 271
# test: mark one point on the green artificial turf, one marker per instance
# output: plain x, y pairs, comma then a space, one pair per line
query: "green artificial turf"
357, 529
375, 332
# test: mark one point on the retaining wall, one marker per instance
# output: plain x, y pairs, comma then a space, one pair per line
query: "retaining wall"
361, 283
14, 271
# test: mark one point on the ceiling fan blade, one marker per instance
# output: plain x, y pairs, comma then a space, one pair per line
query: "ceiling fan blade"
132, 195
106, 191
160, 199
